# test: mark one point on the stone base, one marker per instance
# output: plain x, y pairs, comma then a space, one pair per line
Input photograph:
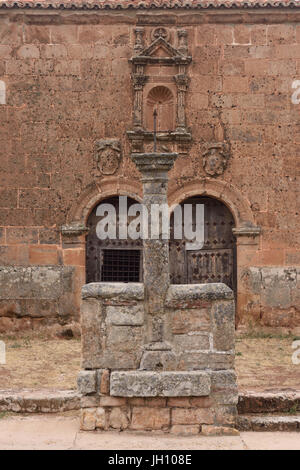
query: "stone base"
184, 415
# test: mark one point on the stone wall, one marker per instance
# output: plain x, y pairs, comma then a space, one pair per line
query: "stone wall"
36, 295
275, 296
67, 77
186, 385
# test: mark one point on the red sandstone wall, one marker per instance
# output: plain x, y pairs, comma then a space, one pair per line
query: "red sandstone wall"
68, 84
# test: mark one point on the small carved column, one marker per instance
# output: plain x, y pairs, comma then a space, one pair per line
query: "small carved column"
154, 168
182, 83
138, 80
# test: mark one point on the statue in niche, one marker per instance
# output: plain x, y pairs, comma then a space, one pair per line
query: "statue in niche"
161, 99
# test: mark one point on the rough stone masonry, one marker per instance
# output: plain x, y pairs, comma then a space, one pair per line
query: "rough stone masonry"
67, 82
155, 356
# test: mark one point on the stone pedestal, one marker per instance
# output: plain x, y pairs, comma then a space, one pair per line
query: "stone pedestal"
155, 356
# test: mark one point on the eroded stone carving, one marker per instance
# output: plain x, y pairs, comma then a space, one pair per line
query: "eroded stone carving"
160, 33
108, 156
215, 158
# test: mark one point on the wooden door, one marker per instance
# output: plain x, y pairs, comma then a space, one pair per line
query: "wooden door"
216, 261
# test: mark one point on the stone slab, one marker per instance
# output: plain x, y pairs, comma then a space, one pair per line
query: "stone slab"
163, 384
110, 290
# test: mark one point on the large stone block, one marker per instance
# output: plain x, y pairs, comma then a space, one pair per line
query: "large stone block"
144, 418
87, 381
163, 384
123, 315
194, 295
92, 334
192, 342
223, 325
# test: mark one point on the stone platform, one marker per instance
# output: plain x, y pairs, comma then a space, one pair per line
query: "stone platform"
184, 384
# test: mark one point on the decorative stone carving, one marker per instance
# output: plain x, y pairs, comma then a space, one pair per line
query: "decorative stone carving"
139, 39
215, 158
182, 39
108, 156
160, 33
162, 53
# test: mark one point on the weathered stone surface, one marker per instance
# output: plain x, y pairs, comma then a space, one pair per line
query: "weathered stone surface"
192, 342
39, 401
192, 296
103, 377
87, 382
116, 290
88, 419
185, 430
223, 326
268, 402
158, 360
100, 418
92, 334
268, 423
150, 418
151, 384
192, 416
125, 316
118, 419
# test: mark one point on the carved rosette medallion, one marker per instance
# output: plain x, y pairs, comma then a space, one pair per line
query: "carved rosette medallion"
107, 156
215, 158
160, 33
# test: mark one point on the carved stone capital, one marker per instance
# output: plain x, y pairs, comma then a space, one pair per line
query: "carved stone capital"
154, 162
138, 81
182, 81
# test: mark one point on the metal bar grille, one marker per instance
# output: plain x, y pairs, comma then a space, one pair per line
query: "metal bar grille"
121, 266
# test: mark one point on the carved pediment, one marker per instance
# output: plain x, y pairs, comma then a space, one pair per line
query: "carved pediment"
160, 48
161, 51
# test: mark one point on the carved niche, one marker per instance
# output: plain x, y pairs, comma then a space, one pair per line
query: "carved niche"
107, 156
215, 158
160, 81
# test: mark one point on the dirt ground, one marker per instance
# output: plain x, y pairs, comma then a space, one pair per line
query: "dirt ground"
35, 362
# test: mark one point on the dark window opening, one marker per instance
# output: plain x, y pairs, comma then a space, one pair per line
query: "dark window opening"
121, 265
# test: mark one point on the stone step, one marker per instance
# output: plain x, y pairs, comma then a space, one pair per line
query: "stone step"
39, 401
267, 422
269, 402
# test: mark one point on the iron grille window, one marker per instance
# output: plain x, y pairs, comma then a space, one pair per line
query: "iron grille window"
121, 266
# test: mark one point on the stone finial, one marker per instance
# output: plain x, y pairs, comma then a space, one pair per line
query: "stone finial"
182, 40
139, 39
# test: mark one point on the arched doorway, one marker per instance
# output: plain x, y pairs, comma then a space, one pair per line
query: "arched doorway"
216, 261
112, 260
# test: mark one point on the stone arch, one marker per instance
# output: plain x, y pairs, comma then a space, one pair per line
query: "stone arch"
223, 191
94, 193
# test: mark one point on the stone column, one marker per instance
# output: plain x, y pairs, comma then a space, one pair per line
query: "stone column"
154, 168
182, 83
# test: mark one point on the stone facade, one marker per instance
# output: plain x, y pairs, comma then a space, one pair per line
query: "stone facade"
192, 386
67, 79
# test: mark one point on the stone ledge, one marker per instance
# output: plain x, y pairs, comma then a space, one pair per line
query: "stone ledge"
109, 290
159, 384
39, 401
191, 293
